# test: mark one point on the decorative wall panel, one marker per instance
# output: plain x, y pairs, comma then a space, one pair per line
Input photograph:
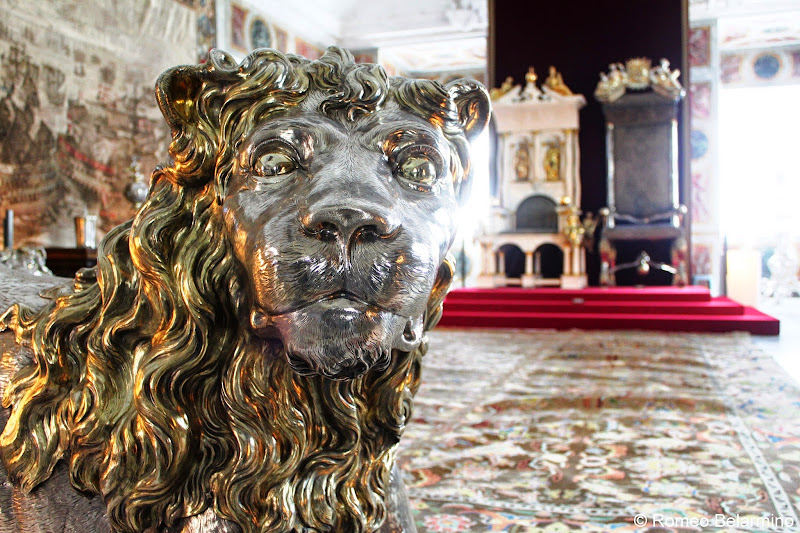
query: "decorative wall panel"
700, 46
761, 66
705, 72
247, 24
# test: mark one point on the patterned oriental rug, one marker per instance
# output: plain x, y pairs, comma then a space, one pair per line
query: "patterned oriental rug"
602, 431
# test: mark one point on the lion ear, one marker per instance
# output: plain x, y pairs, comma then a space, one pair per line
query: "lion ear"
176, 91
473, 104
192, 148
179, 92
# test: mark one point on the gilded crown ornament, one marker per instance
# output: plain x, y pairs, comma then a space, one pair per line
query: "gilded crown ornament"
665, 81
638, 72
636, 75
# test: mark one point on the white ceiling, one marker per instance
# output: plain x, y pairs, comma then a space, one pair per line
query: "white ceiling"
382, 23
703, 9
413, 35
463, 54
438, 35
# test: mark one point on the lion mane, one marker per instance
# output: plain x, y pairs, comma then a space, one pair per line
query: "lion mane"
144, 378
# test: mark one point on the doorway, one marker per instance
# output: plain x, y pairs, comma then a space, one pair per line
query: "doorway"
759, 179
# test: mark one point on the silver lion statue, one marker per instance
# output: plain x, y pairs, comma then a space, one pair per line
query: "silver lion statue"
245, 354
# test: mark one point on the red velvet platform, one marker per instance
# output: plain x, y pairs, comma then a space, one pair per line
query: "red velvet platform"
648, 308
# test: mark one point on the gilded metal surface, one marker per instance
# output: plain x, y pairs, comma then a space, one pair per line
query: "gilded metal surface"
637, 74
555, 82
505, 87
246, 352
522, 167
552, 161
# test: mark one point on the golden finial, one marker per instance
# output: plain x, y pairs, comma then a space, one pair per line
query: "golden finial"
531, 76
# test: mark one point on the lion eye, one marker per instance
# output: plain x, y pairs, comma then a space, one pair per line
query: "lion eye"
419, 167
274, 164
419, 170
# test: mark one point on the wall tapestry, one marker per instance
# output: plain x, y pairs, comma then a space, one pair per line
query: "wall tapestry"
77, 105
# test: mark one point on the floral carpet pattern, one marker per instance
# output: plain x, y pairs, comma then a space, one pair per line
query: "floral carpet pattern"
602, 431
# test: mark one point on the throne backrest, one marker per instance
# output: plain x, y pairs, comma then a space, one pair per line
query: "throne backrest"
642, 154
537, 214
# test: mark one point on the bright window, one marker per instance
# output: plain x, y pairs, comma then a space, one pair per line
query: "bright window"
759, 151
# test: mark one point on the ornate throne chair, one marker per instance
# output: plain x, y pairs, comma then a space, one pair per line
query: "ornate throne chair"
643, 202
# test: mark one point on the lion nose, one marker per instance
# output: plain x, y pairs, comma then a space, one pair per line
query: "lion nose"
349, 223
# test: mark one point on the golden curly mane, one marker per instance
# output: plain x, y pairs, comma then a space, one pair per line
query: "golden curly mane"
144, 375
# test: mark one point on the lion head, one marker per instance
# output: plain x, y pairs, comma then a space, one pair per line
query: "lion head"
251, 341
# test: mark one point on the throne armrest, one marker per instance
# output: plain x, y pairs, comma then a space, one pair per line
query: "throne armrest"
650, 232
610, 215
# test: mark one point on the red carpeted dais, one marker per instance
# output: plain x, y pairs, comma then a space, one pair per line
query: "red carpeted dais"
647, 308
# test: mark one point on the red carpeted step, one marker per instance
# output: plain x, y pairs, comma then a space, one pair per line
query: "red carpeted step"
683, 294
716, 306
750, 320
649, 308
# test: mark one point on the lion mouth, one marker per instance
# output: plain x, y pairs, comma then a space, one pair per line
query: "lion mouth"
336, 298
339, 336
341, 298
